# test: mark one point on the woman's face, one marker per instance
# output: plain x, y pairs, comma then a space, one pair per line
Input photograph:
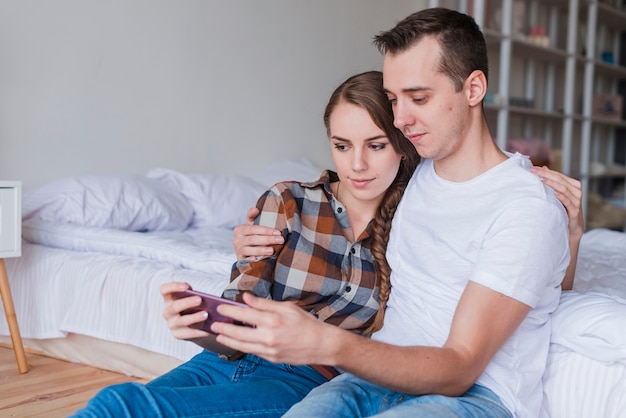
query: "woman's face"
365, 161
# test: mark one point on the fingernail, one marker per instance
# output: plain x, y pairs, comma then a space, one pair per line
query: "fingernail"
275, 232
279, 240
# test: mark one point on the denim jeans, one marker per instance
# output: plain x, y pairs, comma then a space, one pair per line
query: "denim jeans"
207, 386
350, 396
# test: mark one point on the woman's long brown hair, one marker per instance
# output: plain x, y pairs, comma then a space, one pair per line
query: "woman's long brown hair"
366, 90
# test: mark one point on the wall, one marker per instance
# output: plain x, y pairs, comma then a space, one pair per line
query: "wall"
219, 85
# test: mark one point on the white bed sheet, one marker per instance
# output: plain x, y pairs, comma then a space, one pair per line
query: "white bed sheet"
576, 386
601, 263
105, 283
586, 372
207, 249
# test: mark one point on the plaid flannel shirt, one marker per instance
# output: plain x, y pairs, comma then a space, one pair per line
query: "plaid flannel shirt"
317, 266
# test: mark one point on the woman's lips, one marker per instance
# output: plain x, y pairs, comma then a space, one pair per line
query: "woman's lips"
360, 183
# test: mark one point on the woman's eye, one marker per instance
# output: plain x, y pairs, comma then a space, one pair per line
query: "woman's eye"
341, 147
378, 147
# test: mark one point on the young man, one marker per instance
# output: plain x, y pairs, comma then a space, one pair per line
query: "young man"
478, 249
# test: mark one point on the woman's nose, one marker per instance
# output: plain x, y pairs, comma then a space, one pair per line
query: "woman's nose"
359, 162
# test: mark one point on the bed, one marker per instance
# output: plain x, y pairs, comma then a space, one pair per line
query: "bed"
96, 248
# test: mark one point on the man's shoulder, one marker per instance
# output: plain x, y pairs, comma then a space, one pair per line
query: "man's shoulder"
515, 173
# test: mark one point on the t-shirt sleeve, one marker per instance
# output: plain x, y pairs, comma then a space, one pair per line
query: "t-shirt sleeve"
525, 251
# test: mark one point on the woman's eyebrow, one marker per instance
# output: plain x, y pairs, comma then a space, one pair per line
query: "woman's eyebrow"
373, 138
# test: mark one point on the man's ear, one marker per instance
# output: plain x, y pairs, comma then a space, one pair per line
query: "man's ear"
476, 87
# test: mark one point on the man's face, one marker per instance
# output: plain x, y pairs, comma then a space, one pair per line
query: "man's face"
426, 107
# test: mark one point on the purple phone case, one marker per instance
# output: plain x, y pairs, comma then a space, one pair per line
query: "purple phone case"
209, 304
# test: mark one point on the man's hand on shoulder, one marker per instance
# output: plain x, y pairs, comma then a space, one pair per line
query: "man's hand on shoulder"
251, 241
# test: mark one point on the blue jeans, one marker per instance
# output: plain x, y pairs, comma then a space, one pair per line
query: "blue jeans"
349, 396
207, 386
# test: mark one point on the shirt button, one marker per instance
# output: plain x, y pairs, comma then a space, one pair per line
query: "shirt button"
353, 251
339, 210
348, 289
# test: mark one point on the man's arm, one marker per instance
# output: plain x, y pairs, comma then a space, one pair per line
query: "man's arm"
483, 321
251, 241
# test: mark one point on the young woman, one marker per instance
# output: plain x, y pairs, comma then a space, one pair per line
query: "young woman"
332, 264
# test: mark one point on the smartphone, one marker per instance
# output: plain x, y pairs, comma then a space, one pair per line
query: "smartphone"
209, 304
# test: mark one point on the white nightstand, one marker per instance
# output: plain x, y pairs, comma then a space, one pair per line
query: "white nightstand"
11, 246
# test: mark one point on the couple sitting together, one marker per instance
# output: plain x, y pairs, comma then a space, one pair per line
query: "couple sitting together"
416, 280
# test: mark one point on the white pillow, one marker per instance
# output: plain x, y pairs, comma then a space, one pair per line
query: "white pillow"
591, 324
218, 200
127, 202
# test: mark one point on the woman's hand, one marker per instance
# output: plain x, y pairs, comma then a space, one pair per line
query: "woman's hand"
569, 192
283, 333
252, 241
179, 324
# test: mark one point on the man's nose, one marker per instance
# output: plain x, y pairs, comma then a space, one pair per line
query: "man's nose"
402, 116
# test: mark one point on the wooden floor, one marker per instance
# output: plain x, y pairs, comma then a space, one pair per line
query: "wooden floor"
51, 388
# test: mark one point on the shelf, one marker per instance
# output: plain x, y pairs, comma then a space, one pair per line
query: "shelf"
608, 15
492, 37
609, 70
563, 80
524, 47
527, 111
605, 176
609, 122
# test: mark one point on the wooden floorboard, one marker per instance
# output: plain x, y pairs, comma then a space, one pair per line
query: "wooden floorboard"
51, 388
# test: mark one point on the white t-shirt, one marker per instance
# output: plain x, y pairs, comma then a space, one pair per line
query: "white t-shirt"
505, 230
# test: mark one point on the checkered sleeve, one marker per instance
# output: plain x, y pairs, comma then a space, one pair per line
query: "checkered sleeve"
258, 276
